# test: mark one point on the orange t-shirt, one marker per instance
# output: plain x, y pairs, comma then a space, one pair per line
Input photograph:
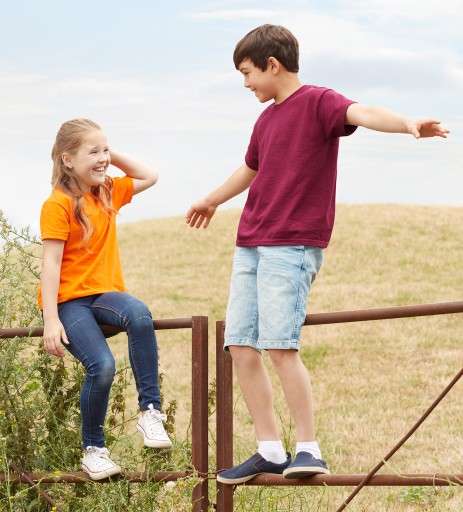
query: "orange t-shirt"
91, 269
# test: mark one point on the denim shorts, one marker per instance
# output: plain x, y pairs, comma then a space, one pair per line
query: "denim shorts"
268, 295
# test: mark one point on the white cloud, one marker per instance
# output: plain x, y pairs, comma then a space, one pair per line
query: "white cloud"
19, 79
415, 11
238, 14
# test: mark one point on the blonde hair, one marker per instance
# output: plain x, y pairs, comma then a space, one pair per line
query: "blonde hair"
68, 140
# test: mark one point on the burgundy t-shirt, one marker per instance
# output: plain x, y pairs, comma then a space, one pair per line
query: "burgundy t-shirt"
294, 149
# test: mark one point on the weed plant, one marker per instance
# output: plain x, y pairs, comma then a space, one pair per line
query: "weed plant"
40, 421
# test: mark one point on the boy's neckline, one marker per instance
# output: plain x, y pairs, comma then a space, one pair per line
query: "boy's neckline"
292, 95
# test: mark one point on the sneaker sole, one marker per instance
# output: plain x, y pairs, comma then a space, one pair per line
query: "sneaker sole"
233, 481
102, 474
305, 471
152, 443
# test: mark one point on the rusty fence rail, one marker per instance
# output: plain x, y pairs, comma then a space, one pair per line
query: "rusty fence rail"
224, 413
199, 422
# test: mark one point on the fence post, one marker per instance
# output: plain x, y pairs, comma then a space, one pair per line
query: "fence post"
224, 415
199, 410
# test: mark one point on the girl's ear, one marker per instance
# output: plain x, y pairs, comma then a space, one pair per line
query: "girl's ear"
66, 160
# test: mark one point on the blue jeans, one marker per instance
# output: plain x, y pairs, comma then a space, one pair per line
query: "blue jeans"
80, 318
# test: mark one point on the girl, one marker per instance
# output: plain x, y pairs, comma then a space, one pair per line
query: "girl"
82, 286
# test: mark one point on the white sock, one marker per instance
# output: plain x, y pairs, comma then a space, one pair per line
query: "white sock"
272, 451
309, 446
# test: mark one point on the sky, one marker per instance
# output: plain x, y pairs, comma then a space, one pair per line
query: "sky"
159, 78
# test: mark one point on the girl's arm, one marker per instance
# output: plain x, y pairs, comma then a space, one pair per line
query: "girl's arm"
142, 175
383, 120
203, 210
53, 333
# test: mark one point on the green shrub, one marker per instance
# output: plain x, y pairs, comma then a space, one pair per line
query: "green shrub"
40, 426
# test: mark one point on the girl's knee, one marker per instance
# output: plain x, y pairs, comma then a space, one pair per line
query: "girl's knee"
138, 313
103, 371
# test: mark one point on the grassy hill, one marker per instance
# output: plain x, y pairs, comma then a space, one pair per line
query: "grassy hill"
371, 380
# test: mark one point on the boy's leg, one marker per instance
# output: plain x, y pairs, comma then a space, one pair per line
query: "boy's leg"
256, 389
284, 281
297, 388
241, 338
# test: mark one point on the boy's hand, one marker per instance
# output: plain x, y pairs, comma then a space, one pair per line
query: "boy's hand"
200, 214
427, 128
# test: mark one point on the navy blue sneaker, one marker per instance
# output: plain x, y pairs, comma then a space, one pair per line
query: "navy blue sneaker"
251, 468
305, 464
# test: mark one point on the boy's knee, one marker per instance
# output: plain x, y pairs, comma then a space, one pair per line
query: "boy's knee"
244, 356
282, 357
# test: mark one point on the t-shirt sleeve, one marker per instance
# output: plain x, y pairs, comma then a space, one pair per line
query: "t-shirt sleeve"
332, 109
122, 191
252, 155
54, 221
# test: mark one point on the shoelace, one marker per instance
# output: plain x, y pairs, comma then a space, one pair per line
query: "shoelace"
153, 421
99, 455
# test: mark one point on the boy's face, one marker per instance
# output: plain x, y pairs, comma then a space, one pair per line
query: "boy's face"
260, 82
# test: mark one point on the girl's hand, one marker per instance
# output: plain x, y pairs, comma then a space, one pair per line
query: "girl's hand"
54, 336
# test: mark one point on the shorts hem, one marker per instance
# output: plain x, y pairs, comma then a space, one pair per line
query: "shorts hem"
263, 345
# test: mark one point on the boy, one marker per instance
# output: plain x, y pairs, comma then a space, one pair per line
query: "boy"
290, 169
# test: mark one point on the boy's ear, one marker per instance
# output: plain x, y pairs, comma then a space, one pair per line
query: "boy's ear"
274, 65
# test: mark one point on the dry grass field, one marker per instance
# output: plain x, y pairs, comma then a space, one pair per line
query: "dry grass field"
371, 380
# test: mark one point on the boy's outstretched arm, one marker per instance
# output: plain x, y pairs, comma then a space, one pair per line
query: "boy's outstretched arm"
201, 212
383, 120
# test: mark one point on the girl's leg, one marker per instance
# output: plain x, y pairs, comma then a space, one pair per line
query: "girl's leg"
89, 346
132, 315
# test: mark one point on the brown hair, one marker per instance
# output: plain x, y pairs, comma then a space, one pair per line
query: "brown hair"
68, 140
268, 41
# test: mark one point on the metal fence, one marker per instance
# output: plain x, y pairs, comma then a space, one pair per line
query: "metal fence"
199, 426
224, 414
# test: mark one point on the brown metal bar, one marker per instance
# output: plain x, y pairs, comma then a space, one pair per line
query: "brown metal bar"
200, 418
224, 418
362, 315
401, 442
393, 480
36, 487
439, 308
159, 325
79, 477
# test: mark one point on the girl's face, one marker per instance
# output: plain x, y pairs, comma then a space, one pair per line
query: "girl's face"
90, 162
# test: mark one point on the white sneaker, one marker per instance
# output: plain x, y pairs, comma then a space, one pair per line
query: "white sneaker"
151, 428
98, 465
